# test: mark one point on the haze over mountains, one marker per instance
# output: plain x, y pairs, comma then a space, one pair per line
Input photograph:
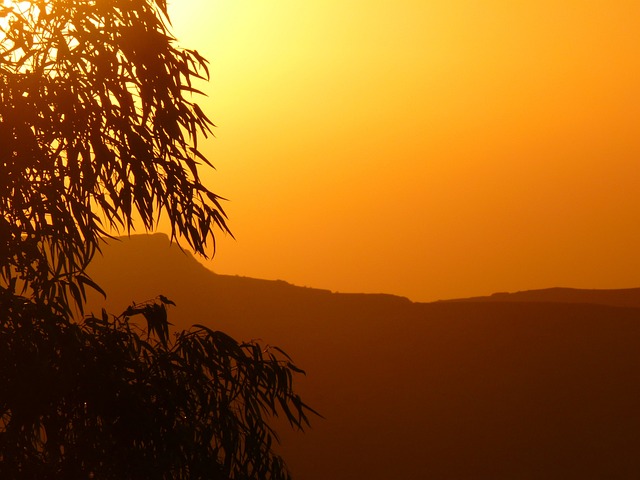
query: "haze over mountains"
540, 384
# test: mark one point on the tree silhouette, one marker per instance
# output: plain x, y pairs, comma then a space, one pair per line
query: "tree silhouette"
98, 127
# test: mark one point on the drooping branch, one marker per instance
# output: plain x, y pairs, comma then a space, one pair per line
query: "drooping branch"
98, 128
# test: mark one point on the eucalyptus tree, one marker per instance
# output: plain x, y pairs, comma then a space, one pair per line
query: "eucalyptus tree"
105, 399
99, 126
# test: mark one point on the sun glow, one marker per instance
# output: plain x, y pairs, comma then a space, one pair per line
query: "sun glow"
433, 149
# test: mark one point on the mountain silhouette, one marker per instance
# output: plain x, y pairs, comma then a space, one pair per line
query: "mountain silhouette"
624, 297
540, 384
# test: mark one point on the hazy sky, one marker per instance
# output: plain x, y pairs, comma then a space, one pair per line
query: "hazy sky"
427, 148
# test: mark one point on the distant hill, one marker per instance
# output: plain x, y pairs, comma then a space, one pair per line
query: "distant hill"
626, 297
542, 384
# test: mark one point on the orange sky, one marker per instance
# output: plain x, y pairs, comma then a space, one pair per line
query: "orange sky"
427, 148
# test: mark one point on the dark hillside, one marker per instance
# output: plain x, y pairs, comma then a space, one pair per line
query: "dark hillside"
447, 390
624, 297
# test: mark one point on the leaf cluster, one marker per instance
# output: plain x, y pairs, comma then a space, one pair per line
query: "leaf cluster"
98, 127
100, 398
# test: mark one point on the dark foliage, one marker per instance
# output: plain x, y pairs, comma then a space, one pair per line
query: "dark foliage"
103, 398
98, 128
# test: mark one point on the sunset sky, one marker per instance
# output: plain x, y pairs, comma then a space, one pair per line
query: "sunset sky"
427, 148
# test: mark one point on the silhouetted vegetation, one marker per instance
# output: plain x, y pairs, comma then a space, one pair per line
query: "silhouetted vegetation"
95, 130
98, 127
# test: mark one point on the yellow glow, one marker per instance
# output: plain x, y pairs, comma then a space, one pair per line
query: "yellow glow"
431, 149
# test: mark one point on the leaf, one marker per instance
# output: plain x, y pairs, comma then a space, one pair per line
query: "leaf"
295, 369
85, 280
165, 300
